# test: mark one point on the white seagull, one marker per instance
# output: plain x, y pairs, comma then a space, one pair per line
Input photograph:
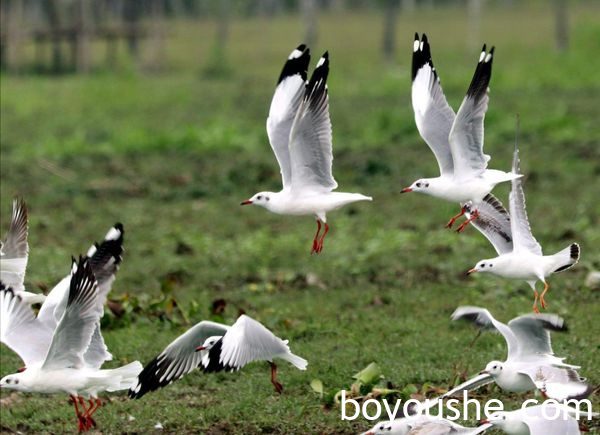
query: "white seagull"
520, 254
530, 363
555, 419
456, 140
214, 347
14, 253
63, 360
299, 131
423, 425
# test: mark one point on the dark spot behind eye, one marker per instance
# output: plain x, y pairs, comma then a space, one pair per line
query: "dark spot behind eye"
16, 381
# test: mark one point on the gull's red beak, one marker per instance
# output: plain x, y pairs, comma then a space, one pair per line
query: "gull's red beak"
21, 370
199, 348
470, 271
246, 202
406, 190
482, 422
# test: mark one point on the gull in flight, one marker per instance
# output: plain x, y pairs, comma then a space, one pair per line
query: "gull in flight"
456, 140
299, 131
519, 253
530, 363
214, 347
65, 359
14, 252
545, 419
423, 425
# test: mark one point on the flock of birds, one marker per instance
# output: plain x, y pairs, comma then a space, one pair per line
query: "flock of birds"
63, 350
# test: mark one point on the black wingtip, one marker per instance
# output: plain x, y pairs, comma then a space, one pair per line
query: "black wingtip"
297, 63
421, 55
119, 226
82, 281
575, 251
316, 88
483, 74
416, 36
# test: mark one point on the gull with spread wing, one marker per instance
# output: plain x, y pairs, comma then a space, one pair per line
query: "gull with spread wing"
519, 253
299, 131
14, 253
59, 360
456, 140
530, 363
214, 347
545, 419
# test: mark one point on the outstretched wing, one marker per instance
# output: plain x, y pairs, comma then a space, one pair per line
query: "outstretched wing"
522, 237
466, 135
482, 318
284, 106
248, 340
310, 138
470, 384
558, 383
532, 333
15, 249
20, 330
74, 331
493, 222
433, 116
177, 359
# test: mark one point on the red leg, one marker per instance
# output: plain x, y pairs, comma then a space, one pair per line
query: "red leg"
80, 425
90, 420
535, 308
454, 218
276, 384
316, 239
542, 300
320, 244
474, 215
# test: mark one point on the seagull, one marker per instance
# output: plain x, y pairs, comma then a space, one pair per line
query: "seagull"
519, 253
530, 363
14, 252
557, 420
423, 425
59, 361
299, 131
214, 347
456, 140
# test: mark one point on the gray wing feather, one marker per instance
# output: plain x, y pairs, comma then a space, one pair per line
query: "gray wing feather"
521, 231
311, 138
466, 135
494, 223
433, 115
15, 249
532, 332
471, 384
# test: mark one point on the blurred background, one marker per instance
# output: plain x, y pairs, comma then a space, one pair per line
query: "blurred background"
153, 113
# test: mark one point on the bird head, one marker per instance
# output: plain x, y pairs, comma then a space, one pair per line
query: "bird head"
13, 382
482, 266
208, 343
418, 186
261, 198
493, 368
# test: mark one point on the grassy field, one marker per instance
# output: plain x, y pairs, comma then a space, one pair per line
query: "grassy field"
171, 155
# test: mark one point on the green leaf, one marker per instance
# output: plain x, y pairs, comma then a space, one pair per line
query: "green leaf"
317, 386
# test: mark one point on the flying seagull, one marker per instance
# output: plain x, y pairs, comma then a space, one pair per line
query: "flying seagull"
60, 361
14, 252
530, 363
519, 253
299, 131
456, 140
213, 347
423, 425
545, 419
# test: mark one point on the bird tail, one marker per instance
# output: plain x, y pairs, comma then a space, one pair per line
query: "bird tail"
124, 377
295, 360
566, 258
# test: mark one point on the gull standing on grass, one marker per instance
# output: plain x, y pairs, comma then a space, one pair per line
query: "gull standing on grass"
299, 131
557, 420
456, 140
14, 253
214, 347
63, 360
520, 254
423, 425
530, 363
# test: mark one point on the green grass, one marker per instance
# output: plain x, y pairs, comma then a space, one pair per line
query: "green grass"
172, 154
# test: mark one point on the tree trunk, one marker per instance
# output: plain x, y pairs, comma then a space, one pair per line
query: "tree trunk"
309, 14
474, 8
390, 12
82, 37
